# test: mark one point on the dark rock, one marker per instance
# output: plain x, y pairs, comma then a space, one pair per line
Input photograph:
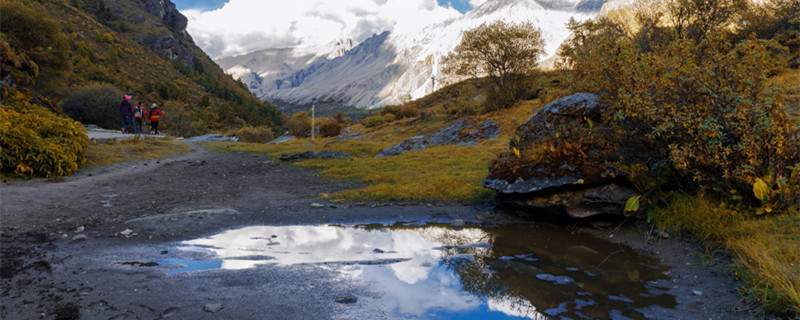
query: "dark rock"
324, 154
348, 299
410, 144
464, 132
568, 165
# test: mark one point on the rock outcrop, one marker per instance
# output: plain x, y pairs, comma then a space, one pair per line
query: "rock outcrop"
410, 144
465, 133
561, 164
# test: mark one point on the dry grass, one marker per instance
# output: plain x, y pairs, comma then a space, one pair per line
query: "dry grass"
105, 153
765, 248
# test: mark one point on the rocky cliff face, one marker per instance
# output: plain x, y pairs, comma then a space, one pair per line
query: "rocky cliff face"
173, 45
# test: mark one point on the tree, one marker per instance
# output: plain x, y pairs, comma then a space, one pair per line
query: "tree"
503, 52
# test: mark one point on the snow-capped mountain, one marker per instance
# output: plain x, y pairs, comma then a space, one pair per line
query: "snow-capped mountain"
389, 68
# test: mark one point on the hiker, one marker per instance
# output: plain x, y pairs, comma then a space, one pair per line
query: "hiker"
138, 118
155, 115
126, 110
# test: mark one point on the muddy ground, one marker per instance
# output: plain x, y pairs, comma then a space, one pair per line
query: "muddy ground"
61, 240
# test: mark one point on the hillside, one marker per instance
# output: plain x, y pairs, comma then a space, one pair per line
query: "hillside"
140, 47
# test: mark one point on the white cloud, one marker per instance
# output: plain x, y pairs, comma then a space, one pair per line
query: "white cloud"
243, 26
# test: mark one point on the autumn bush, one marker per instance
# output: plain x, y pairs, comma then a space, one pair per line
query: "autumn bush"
36, 142
708, 107
372, 121
95, 104
299, 125
260, 134
329, 128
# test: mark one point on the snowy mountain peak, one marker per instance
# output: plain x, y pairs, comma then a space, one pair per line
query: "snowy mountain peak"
388, 68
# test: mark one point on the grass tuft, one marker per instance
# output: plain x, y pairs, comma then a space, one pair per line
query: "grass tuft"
765, 248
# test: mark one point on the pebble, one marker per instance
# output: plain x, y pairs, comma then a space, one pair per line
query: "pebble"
213, 307
317, 205
697, 292
457, 224
78, 238
348, 299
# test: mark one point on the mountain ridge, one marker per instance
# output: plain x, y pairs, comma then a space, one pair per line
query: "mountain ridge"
411, 70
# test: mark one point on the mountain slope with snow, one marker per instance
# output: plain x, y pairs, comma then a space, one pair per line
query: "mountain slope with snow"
391, 67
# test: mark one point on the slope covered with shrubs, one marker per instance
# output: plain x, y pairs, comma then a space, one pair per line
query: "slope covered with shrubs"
77, 58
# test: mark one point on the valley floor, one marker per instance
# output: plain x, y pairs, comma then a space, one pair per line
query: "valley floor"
57, 233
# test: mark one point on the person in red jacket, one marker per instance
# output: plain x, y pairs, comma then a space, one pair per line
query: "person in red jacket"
155, 116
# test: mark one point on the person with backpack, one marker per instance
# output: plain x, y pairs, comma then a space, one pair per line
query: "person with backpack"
155, 116
138, 118
126, 110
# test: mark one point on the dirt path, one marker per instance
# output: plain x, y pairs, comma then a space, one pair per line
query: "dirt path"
59, 237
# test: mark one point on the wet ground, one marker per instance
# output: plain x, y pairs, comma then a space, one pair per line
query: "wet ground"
235, 236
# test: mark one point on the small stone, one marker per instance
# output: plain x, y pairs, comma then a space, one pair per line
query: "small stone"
127, 233
378, 251
213, 307
348, 299
697, 292
80, 229
317, 205
458, 224
78, 238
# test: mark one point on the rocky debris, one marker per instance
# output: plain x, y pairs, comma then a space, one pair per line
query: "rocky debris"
282, 138
410, 144
464, 132
213, 307
581, 172
317, 205
324, 154
212, 138
458, 224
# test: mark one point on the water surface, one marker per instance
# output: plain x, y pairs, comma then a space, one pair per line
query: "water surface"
520, 271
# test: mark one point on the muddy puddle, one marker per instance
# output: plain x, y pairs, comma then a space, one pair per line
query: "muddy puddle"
520, 271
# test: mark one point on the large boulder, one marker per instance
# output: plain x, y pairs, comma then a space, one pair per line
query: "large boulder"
562, 162
465, 132
410, 144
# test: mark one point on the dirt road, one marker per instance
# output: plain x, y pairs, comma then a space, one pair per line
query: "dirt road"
83, 247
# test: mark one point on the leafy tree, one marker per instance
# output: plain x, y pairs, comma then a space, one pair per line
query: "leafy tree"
503, 52
299, 125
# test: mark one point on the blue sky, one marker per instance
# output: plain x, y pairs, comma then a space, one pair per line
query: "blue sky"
236, 27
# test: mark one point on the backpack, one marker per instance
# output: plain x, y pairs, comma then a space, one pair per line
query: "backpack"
137, 113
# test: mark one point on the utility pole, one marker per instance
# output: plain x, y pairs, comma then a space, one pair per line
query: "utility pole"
312, 122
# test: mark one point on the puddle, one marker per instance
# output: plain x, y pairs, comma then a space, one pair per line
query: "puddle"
522, 271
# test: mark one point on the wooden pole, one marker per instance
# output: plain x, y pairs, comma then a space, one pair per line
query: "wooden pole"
312, 122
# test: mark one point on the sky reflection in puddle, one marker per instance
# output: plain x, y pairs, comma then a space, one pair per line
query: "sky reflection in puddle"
519, 271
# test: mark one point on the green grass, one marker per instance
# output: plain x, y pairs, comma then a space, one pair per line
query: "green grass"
111, 152
766, 249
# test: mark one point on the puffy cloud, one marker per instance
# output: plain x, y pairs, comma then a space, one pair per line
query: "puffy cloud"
243, 26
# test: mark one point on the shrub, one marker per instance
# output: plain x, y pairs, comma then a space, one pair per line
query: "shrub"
36, 142
329, 129
388, 118
299, 125
95, 104
260, 134
706, 106
372, 121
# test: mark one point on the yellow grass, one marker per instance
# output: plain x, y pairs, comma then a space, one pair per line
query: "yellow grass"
766, 248
111, 152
